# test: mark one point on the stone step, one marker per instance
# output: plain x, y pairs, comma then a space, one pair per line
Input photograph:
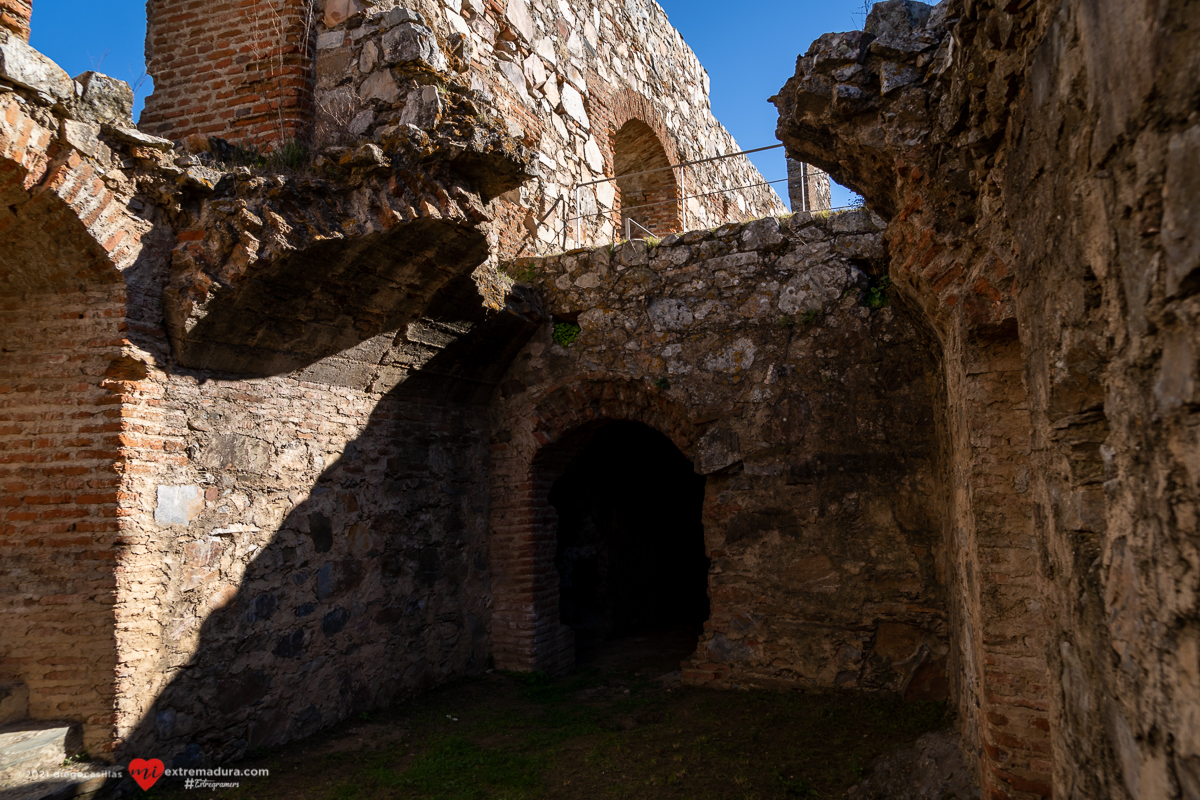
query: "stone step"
14, 702
37, 744
43, 746
57, 788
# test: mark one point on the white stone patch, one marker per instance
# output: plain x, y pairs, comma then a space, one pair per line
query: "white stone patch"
606, 193
594, 158
380, 86
457, 22
361, 122
369, 58
516, 76
575, 45
545, 49
572, 103
669, 314
553, 96
178, 505
672, 350
517, 13
535, 70
589, 281
736, 357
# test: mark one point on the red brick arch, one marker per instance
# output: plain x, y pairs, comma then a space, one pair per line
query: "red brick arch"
617, 113
64, 239
526, 632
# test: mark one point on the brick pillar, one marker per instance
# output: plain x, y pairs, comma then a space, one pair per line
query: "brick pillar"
237, 69
15, 16
1005, 600
527, 634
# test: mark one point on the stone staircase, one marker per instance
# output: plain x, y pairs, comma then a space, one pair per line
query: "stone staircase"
38, 745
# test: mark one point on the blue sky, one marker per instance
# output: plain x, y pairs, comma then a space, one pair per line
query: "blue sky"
749, 48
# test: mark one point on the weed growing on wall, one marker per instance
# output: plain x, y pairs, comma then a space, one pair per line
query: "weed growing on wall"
520, 272
877, 295
565, 333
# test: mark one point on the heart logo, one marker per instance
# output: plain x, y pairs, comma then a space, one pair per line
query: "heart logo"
146, 773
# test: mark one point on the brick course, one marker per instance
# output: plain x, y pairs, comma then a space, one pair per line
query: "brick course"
231, 68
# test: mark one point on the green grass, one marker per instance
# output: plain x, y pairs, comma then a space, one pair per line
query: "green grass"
595, 734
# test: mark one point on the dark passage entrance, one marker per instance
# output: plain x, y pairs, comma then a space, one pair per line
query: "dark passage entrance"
630, 553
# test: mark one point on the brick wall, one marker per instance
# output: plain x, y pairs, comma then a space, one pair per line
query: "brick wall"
651, 200
526, 631
15, 15
64, 236
1005, 688
234, 69
59, 445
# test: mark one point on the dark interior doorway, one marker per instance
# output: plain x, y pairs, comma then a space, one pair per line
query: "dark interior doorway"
630, 555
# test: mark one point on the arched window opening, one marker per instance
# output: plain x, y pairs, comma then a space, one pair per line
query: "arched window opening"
630, 546
651, 200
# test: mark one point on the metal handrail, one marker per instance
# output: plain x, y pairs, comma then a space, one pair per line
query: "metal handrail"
669, 202
578, 186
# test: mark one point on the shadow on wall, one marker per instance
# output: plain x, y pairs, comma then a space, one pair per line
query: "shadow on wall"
374, 585
326, 299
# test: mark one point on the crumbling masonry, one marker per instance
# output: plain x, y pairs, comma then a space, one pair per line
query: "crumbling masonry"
278, 445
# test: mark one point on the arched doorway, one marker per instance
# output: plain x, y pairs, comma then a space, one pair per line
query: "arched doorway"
651, 200
630, 544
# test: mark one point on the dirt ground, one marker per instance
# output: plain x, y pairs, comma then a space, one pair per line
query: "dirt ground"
620, 727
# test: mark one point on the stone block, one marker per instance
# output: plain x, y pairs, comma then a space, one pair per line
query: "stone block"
763, 234
422, 108
380, 85
717, 449
839, 49
517, 14
1181, 242
572, 105
83, 136
133, 136
409, 43
14, 702
338, 11
398, 16
24, 66
104, 99
893, 76
178, 505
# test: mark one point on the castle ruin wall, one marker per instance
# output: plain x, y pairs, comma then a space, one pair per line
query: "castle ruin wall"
1036, 163
565, 78
813, 415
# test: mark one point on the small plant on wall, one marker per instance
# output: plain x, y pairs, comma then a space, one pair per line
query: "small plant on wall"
565, 333
877, 295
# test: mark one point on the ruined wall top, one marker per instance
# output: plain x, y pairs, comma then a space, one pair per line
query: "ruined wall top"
15, 16
565, 77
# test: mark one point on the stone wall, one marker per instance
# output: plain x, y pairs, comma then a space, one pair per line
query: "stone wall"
756, 349
1036, 163
565, 79
205, 521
